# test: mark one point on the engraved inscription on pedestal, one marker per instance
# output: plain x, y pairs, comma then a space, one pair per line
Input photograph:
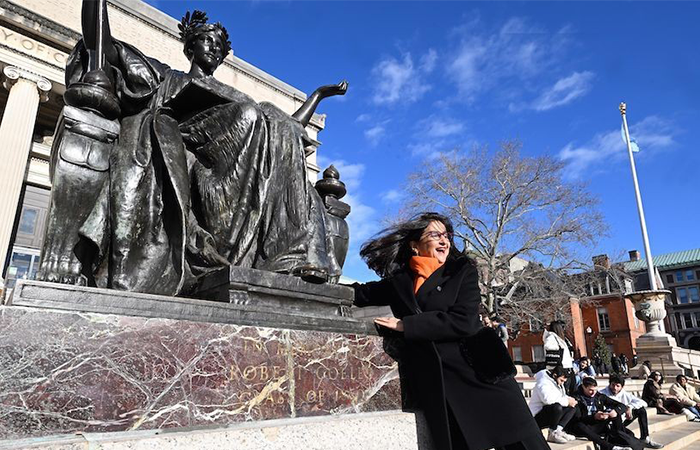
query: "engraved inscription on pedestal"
101, 372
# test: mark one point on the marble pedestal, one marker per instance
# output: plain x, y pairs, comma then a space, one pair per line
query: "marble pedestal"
77, 360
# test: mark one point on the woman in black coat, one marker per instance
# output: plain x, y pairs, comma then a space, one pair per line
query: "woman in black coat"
434, 308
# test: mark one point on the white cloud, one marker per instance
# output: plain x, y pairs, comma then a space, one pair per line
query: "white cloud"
518, 53
363, 118
391, 196
428, 61
652, 134
564, 91
375, 134
429, 149
400, 81
439, 127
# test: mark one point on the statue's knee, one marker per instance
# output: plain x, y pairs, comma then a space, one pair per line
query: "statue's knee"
250, 112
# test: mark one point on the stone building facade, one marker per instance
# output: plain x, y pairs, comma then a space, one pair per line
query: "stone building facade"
36, 37
605, 312
679, 272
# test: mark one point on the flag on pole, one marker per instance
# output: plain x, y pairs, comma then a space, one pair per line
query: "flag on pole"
633, 142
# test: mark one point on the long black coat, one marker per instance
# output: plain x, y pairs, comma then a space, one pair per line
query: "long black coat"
438, 376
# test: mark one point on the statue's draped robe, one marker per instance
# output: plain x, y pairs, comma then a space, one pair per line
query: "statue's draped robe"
200, 175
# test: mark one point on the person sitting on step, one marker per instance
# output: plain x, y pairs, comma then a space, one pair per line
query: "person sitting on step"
687, 396
636, 408
653, 395
599, 419
550, 404
583, 369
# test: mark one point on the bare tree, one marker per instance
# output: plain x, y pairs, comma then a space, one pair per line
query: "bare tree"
509, 208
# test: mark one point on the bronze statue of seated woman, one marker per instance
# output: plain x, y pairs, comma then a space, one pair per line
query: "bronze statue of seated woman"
200, 175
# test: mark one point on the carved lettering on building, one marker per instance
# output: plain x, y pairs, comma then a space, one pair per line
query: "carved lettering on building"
31, 47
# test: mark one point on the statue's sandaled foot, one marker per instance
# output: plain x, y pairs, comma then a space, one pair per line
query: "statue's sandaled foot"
311, 274
333, 89
61, 270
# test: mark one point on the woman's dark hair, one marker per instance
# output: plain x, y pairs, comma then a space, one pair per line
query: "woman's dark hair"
558, 327
390, 251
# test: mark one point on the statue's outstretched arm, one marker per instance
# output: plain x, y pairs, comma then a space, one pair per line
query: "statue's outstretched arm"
307, 110
91, 29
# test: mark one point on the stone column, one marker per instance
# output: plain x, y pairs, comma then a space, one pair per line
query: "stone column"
27, 89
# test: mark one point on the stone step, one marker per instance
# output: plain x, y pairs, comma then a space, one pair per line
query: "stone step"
683, 436
391, 430
659, 427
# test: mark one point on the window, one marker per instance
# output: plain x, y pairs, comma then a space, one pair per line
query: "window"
682, 295
538, 353
679, 276
697, 319
669, 278
628, 286
23, 265
603, 319
687, 320
689, 275
27, 222
517, 354
693, 294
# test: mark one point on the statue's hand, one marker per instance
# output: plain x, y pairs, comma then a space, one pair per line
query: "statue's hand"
333, 89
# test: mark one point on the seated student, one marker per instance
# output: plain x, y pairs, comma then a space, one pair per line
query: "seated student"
585, 369
644, 370
635, 408
686, 395
551, 406
664, 404
599, 419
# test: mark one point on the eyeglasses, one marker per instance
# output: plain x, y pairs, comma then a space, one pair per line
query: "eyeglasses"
436, 235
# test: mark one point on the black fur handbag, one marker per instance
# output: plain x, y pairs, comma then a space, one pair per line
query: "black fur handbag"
486, 354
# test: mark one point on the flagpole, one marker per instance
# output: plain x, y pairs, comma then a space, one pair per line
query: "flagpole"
638, 195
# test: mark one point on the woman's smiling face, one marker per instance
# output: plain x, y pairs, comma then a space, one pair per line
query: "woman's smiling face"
434, 242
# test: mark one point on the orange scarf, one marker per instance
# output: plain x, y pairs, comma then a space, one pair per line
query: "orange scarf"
422, 267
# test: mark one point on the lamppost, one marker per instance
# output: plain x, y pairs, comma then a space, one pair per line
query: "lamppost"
589, 348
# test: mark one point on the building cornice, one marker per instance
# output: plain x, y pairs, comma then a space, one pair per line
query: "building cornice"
65, 38
164, 23
59, 35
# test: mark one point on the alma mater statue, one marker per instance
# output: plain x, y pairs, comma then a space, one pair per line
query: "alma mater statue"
161, 176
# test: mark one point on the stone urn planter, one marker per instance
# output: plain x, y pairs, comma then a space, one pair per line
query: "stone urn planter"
650, 308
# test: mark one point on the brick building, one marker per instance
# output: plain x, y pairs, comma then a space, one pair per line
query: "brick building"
604, 312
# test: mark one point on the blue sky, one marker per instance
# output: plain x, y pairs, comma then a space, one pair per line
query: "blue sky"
427, 77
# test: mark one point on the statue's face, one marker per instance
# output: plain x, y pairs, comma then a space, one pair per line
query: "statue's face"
207, 51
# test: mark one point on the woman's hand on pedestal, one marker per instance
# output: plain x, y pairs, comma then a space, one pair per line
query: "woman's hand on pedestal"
391, 323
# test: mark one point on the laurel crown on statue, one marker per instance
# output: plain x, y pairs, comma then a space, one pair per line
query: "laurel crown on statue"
193, 24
